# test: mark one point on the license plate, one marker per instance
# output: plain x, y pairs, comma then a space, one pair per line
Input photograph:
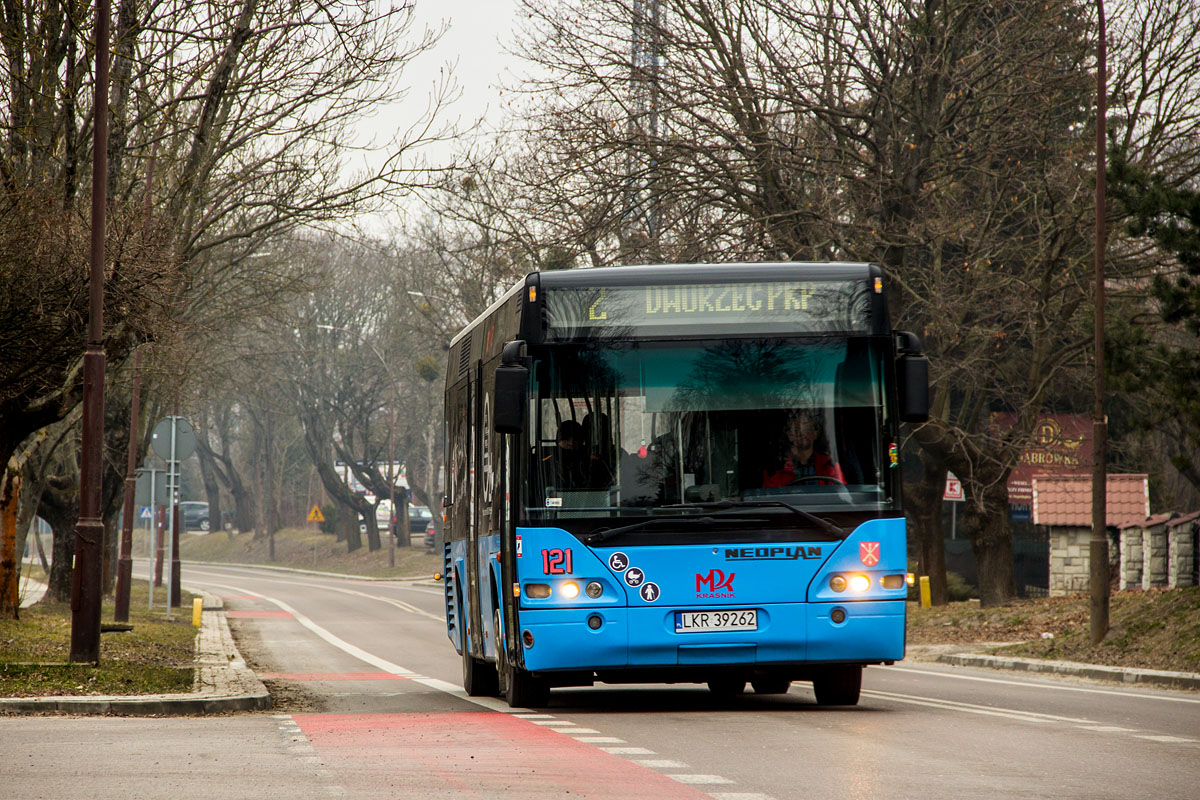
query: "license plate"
705, 621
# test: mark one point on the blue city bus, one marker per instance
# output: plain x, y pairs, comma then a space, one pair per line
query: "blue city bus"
679, 473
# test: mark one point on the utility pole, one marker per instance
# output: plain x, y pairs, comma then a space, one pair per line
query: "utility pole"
640, 158
1098, 545
89, 531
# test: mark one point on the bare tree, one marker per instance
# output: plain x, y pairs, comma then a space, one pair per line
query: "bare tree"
234, 123
948, 142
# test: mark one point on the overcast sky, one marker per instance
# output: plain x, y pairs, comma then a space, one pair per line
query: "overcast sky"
474, 44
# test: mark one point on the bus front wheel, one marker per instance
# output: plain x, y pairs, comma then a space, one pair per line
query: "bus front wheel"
838, 686
520, 688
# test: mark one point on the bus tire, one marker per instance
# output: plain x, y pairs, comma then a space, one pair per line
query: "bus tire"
771, 685
520, 688
523, 690
726, 687
838, 686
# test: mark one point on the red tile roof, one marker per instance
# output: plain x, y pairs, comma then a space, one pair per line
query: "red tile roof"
1067, 499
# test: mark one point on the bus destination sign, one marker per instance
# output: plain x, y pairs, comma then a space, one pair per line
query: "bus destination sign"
769, 306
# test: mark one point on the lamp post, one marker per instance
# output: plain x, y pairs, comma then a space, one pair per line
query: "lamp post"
392, 516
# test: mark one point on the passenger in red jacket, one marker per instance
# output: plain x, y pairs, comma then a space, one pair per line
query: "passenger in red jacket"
802, 458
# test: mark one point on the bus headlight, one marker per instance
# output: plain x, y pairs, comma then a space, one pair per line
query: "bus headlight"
538, 591
593, 589
570, 590
859, 583
837, 583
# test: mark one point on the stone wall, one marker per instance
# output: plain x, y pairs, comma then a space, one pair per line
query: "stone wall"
1131, 559
1181, 556
1070, 550
1154, 557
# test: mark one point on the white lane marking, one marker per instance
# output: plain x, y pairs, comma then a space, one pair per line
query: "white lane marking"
1033, 685
596, 739
1106, 728
491, 703
1024, 716
697, 779
396, 603
660, 763
628, 751
1164, 739
573, 731
525, 715
341, 644
553, 723
971, 708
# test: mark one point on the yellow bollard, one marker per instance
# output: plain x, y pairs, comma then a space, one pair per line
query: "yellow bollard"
926, 602
198, 607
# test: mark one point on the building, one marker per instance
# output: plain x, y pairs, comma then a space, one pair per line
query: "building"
1063, 504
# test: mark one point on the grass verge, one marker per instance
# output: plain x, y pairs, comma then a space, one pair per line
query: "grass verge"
155, 657
1158, 629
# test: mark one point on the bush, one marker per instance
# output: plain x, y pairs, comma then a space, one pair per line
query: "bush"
329, 512
958, 589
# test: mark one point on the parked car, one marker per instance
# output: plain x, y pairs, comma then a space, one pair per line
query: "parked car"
430, 535
419, 518
194, 515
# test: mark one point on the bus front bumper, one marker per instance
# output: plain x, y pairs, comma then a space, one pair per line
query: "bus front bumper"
646, 637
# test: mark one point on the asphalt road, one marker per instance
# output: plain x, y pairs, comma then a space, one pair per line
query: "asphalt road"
372, 708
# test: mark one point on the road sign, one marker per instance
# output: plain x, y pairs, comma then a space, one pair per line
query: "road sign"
954, 489
185, 438
146, 513
315, 515
141, 491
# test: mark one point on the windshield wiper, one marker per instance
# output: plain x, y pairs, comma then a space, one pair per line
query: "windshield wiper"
823, 524
608, 533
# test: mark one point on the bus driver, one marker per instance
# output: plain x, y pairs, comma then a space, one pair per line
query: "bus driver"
803, 458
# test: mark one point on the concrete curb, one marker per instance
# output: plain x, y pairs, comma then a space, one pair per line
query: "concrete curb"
223, 683
1155, 677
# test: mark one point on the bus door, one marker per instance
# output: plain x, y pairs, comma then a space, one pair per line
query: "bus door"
508, 494
473, 477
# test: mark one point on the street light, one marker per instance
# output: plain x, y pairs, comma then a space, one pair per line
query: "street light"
391, 429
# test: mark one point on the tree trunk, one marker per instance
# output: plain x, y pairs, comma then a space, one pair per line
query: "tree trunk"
348, 525
991, 540
63, 554
924, 503
60, 508
212, 489
10, 600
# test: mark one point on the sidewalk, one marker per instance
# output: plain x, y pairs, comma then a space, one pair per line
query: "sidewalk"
223, 682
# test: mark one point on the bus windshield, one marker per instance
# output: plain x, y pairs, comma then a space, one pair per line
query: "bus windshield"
629, 429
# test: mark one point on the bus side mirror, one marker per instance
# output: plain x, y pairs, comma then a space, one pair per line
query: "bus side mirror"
912, 373
512, 384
